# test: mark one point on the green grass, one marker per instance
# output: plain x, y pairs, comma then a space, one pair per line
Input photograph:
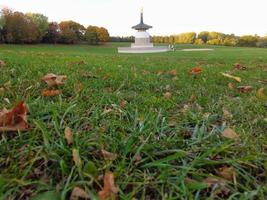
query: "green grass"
175, 145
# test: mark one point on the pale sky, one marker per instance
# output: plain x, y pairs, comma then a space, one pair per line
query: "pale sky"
166, 16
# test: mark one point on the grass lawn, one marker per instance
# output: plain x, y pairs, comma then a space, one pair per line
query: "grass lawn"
165, 128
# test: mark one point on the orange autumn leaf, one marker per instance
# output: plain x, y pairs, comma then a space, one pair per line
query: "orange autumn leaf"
195, 70
14, 119
54, 80
109, 191
245, 89
172, 72
108, 156
68, 135
227, 173
50, 93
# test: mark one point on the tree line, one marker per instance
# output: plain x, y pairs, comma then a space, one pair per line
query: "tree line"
213, 38
28, 28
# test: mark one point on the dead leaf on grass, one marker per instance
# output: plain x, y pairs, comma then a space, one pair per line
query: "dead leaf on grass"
231, 86
14, 119
2, 63
172, 72
245, 89
167, 95
220, 183
230, 134
226, 114
227, 173
260, 94
68, 135
236, 78
108, 156
78, 193
76, 158
110, 190
195, 70
54, 80
50, 93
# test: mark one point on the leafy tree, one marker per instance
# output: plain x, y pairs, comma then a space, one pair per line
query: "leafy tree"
18, 28
53, 33
71, 32
248, 41
262, 43
102, 34
204, 36
41, 22
91, 35
199, 42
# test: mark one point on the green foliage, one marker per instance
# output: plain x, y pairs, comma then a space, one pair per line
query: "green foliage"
41, 22
248, 41
94, 34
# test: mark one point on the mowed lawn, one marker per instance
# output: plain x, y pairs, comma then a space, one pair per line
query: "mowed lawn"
163, 127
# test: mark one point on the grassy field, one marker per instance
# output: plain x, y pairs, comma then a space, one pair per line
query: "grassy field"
165, 128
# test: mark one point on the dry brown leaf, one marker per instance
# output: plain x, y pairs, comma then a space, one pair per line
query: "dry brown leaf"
14, 119
260, 94
108, 156
145, 72
172, 72
54, 80
76, 158
195, 70
159, 72
2, 91
230, 134
68, 135
226, 114
244, 89
123, 104
227, 173
2, 63
264, 81
78, 87
231, 86
167, 95
50, 93
221, 184
238, 79
110, 190
78, 193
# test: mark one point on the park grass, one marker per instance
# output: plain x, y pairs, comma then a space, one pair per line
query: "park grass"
121, 108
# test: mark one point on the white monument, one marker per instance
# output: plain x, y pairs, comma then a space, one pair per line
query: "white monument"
142, 42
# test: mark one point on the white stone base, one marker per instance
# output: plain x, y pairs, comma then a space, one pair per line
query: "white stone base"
156, 49
149, 45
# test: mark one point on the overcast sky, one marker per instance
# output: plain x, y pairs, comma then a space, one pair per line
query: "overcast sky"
167, 17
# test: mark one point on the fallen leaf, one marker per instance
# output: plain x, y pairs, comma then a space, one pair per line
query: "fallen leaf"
172, 72
68, 135
230, 134
238, 66
123, 104
14, 119
167, 95
54, 80
192, 99
227, 173
159, 72
231, 86
145, 72
260, 94
245, 89
50, 93
226, 114
238, 79
2, 63
108, 156
109, 191
195, 70
264, 81
220, 183
76, 158
78, 193
2, 91
78, 87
